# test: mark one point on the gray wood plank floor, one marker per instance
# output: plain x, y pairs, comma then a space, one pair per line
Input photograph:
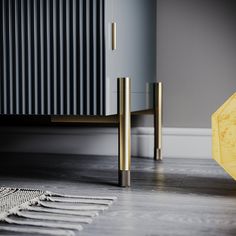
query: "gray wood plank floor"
175, 197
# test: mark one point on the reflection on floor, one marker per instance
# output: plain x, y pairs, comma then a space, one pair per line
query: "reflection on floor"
175, 197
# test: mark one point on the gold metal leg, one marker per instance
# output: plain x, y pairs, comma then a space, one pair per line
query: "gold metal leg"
158, 93
124, 131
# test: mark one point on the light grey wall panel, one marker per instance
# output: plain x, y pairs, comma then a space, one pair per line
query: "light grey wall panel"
196, 53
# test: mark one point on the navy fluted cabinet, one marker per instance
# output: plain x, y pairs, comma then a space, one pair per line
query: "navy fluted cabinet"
57, 57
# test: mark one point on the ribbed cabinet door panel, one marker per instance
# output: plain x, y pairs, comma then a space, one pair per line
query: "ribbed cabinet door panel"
52, 57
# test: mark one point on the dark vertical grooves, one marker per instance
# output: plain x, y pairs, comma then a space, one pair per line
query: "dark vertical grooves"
103, 64
11, 55
1, 63
98, 71
42, 55
49, 52
53, 57
23, 55
30, 58
91, 61
82, 56
17, 59
61, 28
68, 58
94, 56
75, 52
36, 56
88, 49
5, 59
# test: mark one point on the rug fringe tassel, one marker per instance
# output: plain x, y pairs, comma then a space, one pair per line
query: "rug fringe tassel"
64, 207
50, 213
62, 211
31, 230
80, 196
54, 225
80, 200
28, 215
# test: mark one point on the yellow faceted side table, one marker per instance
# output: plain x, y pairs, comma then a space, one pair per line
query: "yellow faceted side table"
224, 136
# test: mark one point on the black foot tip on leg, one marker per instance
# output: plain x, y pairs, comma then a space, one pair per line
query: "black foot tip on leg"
157, 155
124, 178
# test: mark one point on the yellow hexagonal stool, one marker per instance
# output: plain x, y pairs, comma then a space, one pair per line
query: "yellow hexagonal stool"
224, 136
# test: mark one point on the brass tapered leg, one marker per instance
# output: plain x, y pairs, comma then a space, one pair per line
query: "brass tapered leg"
124, 131
157, 103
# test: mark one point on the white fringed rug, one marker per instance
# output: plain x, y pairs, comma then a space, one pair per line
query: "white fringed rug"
44, 213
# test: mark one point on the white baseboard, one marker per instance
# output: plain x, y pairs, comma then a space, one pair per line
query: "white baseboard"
177, 142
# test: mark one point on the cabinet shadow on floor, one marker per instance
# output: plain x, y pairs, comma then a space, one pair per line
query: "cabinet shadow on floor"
179, 175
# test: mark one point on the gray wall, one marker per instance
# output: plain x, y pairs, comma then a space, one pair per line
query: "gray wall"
196, 51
